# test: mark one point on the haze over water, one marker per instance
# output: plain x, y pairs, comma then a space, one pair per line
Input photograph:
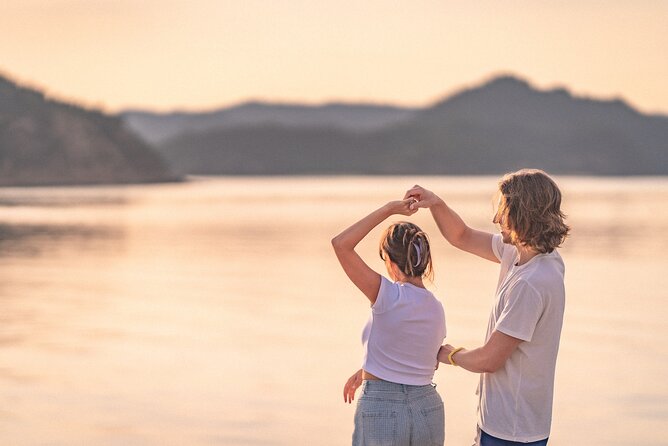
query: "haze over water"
214, 311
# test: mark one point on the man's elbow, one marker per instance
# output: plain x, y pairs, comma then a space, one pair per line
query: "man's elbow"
490, 368
457, 243
492, 364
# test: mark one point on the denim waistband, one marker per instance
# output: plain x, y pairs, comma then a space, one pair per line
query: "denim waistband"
387, 386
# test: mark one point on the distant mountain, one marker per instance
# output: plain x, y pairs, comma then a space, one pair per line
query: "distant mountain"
505, 124
499, 126
46, 142
156, 128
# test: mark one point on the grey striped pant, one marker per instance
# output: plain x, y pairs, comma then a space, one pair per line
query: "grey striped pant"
390, 414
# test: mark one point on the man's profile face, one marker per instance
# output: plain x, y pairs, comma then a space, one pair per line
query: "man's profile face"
501, 219
505, 231
506, 236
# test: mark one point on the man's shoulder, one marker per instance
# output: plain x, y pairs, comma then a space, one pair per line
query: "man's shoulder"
552, 264
546, 272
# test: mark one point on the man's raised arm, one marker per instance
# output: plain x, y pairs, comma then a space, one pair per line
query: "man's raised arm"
453, 228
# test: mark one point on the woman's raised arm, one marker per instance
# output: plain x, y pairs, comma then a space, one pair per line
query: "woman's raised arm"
365, 278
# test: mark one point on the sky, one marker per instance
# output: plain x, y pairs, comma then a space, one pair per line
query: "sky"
193, 55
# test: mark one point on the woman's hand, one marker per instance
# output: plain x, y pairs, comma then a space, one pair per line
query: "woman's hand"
351, 386
422, 198
403, 207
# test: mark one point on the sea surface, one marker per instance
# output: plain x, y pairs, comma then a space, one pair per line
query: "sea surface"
213, 312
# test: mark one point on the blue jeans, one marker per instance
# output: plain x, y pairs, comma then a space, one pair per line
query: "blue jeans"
390, 414
488, 440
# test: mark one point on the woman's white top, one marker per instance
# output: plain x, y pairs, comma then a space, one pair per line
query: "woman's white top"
403, 334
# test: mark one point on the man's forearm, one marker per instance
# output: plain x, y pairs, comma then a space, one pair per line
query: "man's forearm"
472, 360
486, 359
449, 223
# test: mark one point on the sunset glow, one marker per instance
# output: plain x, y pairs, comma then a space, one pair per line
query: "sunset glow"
202, 54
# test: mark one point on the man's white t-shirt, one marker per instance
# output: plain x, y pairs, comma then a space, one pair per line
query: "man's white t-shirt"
403, 334
516, 400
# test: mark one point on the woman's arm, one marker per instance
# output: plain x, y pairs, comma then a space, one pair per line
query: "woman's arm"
486, 359
365, 278
451, 225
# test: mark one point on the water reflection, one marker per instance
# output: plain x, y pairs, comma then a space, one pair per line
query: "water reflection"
52, 277
32, 240
42, 198
213, 312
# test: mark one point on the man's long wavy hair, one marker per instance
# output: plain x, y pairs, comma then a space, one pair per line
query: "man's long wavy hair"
530, 205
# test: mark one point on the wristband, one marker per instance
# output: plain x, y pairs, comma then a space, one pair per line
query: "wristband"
452, 353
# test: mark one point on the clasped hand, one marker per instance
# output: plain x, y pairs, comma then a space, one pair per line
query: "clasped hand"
415, 198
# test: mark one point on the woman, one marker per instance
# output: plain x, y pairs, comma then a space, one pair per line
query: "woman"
399, 404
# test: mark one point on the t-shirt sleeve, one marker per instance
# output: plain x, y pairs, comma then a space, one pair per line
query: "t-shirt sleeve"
498, 246
388, 295
521, 312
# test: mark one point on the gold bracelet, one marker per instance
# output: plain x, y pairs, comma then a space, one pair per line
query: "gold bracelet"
452, 353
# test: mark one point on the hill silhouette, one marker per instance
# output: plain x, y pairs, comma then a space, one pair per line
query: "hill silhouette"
498, 126
46, 142
157, 128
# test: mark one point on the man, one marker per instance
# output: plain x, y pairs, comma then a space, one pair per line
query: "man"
517, 361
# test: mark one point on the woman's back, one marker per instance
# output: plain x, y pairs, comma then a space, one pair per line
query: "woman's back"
404, 334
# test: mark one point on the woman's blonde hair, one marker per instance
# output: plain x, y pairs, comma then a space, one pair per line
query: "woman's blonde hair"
408, 247
530, 205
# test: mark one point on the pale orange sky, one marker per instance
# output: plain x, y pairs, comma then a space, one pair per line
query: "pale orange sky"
201, 54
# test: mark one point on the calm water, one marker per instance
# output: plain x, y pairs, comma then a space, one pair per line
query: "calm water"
214, 312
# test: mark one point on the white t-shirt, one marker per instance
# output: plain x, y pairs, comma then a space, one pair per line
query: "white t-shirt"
516, 400
403, 334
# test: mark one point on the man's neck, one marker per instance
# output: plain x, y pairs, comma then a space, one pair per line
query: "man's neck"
526, 253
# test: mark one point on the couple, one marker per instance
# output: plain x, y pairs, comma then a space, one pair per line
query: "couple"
399, 405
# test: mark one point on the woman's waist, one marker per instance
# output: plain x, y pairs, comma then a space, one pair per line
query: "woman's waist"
372, 373
369, 376
374, 385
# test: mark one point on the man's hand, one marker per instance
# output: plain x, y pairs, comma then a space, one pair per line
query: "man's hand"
424, 198
443, 353
351, 386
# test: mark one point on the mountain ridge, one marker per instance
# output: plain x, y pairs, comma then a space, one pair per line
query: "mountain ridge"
156, 128
47, 142
498, 126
